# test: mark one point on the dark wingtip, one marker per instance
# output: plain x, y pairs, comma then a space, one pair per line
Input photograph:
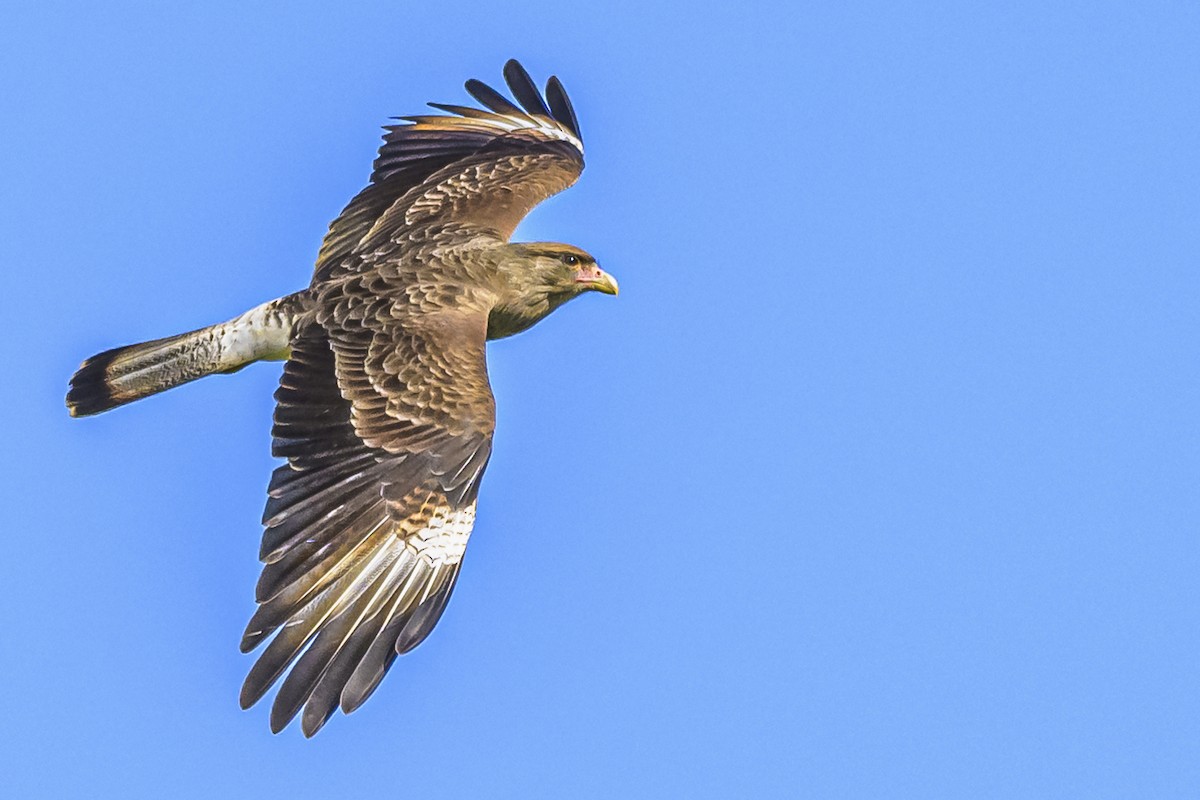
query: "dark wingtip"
524, 89
461, 111
257, 682
351, 701
250, 642
288, 701
279, 719
490, 98
89, 392
314, 719
560, 103
248, 697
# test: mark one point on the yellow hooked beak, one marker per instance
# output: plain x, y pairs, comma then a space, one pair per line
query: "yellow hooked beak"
603, 282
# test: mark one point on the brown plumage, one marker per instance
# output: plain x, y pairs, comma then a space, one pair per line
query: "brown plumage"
384, 413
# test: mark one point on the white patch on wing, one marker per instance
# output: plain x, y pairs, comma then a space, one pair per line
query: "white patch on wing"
506, 123
549, 127
444, 539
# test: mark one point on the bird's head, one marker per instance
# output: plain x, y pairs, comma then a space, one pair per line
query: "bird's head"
538, 278
562, 271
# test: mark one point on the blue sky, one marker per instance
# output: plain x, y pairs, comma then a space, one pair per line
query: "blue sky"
879, 479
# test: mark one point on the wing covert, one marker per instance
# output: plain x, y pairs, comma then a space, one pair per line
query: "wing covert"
437, 161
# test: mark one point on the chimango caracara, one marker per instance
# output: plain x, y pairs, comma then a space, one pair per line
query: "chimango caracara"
384, 412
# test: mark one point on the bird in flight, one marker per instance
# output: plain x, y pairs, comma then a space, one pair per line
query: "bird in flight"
384, 413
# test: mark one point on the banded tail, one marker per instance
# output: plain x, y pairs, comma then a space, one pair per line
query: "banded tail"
124, 374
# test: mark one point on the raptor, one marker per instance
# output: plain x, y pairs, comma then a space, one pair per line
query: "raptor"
384, 414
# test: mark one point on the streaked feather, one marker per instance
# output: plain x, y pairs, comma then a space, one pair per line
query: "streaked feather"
327, 693
382, 652
427, 615
308, 669
320, 554
304, 622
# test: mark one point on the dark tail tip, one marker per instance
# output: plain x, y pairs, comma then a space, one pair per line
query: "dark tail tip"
90, 392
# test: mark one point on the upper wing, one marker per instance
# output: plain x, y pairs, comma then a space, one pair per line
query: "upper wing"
387, 430
479, 167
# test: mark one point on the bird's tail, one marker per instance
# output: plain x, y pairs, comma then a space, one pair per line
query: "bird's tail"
124, 374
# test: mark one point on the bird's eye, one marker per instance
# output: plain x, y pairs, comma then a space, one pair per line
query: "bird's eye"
570, 260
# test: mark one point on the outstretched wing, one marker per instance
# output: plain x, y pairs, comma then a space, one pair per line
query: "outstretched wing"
384, 411
387, 428
477, 167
